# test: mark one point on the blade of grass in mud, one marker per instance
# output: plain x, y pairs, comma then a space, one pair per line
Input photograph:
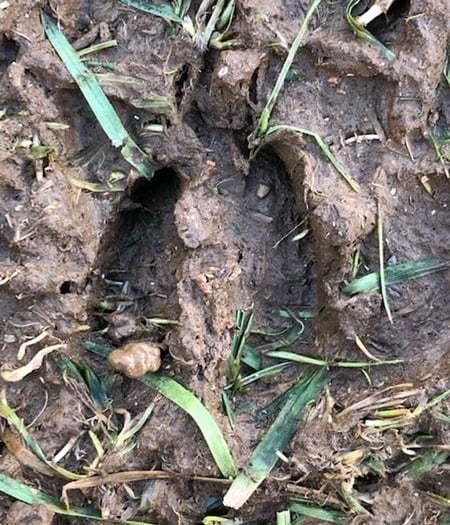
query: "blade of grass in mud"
325, 150
84, 374
304, 359
270, 371
228, 409
95, 48
277, 437
14, 421
319, 513
263, 122
438, 145
97, 100
384, 294
351, 498
363, 33
284, 517
425, 463
187, 401
251, 358
21, 492
204, 420
289, 337
160, 10
395, 274
302, 314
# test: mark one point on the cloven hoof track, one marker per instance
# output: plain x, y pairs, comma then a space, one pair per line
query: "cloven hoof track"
206, 236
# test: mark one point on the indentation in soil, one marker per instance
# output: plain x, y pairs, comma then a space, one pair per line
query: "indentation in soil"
222, 227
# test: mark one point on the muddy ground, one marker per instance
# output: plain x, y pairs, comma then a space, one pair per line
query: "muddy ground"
209, 234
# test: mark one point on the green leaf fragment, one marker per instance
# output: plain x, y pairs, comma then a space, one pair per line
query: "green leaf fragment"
395, 274
425, 463
320, 513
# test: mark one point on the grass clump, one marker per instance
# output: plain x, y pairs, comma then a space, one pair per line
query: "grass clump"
395, 274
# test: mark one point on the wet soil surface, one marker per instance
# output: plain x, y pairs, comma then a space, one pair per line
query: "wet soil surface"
219, 229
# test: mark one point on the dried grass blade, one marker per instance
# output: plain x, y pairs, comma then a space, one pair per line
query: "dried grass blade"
19, 491
304, 359
14, 421
97, 100
384, 294
325, 150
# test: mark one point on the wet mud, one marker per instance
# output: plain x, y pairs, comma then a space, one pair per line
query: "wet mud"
171, 259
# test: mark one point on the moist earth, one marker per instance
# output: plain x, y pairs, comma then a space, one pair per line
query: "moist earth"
173, 258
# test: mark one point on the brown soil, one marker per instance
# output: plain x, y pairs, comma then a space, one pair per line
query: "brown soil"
201, 240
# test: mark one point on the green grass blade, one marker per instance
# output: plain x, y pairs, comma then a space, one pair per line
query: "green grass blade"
208, 427
85, 375
363, 33
244, 322
19, 491
325, 150
187, 401
228, 409
395, 274
263, 123
277, 437
284, 517
270, 371
251, 358
320, 513
289, 337
97, 100
161, 10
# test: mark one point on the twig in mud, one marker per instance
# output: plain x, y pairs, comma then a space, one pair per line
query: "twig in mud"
357, 139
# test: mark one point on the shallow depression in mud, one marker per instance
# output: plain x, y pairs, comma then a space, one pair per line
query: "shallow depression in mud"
140, 252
